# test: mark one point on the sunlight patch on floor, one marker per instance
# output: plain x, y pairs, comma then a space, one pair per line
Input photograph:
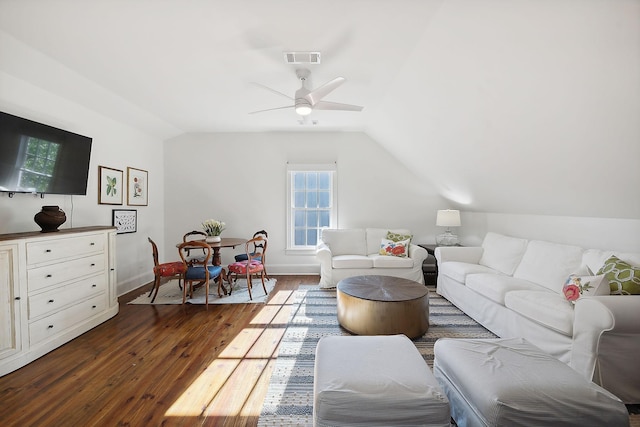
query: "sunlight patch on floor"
227, 385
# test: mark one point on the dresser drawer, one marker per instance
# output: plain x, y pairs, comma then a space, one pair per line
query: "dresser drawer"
50, 275
55, 299
50, 326
69, 247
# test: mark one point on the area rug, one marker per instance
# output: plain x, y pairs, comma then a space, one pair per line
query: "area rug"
170, 293
289, 400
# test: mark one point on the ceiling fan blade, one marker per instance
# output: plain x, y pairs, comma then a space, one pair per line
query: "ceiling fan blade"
317, 94
272, 90
324, 105
272, 109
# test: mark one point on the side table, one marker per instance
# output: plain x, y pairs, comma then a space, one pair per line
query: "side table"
430, 265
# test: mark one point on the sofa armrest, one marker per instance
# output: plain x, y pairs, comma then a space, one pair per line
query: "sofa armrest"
323, 254
418, 254
468, 254
606, 333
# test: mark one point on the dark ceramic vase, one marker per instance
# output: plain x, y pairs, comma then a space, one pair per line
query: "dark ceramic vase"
50, 218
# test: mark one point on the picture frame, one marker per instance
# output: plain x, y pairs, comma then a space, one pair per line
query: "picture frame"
110, 186
125, 220
137, 187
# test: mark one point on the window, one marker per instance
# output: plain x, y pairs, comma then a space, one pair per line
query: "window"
311, 191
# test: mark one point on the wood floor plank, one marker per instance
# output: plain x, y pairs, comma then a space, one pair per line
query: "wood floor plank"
157, 365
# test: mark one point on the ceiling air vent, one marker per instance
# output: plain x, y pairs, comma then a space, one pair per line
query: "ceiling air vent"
302, 57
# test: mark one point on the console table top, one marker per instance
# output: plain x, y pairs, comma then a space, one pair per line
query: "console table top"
62, 231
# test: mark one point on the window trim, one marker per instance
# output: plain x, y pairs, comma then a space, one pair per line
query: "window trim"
309, 167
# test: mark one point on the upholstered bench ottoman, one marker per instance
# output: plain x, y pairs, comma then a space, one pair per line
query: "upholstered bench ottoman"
510, 382
375, 381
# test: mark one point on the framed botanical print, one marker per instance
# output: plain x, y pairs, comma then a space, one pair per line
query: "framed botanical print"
137, 187
125, 220
109, 186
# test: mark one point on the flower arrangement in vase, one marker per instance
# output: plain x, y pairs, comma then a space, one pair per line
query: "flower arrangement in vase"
213, 228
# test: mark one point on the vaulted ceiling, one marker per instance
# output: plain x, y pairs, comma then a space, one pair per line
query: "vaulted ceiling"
521, 106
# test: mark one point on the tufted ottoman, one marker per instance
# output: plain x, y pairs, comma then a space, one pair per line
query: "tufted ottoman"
375, 381
510, 382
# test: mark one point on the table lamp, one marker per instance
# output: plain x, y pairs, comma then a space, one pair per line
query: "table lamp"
447, 218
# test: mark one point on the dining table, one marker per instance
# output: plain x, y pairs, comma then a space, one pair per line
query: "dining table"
225, 242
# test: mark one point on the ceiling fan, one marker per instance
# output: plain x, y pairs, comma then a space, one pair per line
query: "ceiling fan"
305, 100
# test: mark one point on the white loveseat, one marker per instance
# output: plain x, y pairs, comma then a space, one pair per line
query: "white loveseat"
513, 287
355, 252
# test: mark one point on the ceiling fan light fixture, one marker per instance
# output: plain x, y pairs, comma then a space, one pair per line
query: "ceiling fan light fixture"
303, 109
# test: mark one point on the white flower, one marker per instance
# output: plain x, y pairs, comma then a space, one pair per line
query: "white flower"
213, 227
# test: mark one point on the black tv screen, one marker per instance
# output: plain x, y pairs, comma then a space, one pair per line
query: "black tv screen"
37, 158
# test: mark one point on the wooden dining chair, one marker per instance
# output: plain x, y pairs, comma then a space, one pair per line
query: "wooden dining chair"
258, 252
166, 269
199, 270
251, 266
194, 235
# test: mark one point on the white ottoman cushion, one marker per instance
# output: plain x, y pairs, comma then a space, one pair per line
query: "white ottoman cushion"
509, 382
375, 381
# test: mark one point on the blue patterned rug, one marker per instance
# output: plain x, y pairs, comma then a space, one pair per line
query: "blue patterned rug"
289, 400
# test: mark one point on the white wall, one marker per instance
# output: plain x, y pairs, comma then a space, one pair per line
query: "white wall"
114, 145
523, 107
240, 178
591, 233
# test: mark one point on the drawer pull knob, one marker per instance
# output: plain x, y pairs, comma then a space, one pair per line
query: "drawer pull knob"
17, 298
94, 285
50, 326
50, 301
48, 250
48, 276
92, 244
93, 264
93, 306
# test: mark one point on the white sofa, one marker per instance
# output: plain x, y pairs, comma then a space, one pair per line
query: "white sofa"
355, 252
513, 287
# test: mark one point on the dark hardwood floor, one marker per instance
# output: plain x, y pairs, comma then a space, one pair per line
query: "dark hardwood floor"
150, 365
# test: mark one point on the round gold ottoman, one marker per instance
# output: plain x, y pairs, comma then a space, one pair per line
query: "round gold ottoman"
383, 305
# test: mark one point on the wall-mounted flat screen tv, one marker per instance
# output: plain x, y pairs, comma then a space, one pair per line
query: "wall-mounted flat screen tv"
37, 158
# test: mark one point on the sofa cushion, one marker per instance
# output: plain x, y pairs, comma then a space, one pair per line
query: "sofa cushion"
458, 271
375, 235
384, 261
577, 287
546, 308
398, 248
351, 261
624, 278
502, 253
348, 241
549, 264
495, 286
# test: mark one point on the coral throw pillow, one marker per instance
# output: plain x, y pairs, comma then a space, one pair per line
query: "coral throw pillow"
391, 248
577, 287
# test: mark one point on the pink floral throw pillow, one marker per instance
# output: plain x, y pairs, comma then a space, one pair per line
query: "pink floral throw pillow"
391, 248
577, 287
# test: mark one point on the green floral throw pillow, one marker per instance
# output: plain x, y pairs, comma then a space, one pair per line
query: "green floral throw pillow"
624, 279
395, 237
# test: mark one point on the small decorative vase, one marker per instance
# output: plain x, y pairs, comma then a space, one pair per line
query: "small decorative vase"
50, 218
213, 239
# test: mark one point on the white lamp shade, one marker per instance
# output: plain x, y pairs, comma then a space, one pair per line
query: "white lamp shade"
448, 218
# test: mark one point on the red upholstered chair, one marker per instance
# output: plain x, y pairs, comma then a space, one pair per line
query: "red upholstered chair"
251, 265
167, 269
258, 252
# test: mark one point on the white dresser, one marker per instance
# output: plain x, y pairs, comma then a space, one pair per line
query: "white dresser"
53, 287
